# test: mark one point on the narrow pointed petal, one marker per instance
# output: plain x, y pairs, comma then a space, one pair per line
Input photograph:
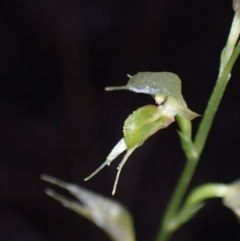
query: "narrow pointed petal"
187, 113
172, 107
111, 88
116, 151
125, 158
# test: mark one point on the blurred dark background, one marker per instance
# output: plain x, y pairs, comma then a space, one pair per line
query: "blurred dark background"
56, 57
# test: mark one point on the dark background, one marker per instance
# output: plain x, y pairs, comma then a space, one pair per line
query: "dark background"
56, 57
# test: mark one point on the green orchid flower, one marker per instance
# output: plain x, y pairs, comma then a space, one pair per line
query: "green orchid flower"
165, 87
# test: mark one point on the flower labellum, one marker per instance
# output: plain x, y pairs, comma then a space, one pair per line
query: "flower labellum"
147, 120
143, 123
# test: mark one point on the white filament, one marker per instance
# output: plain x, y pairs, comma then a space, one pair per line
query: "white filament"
129, 152
116, 151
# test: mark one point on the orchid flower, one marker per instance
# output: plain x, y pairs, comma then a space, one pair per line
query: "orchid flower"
165, 87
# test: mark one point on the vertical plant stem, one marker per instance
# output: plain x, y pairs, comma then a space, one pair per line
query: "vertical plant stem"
165, 232
214, 102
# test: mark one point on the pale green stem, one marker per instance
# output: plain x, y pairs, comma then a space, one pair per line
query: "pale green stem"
206, 191
214, 102
164, 232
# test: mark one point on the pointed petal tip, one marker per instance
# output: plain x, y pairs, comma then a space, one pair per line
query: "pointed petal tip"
43, 176
47, 178
49, 192
93, 174
112, 88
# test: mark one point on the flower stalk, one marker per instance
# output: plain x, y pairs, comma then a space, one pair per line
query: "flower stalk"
228, 59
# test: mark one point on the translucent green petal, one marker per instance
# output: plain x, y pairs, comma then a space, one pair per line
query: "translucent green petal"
155, 83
